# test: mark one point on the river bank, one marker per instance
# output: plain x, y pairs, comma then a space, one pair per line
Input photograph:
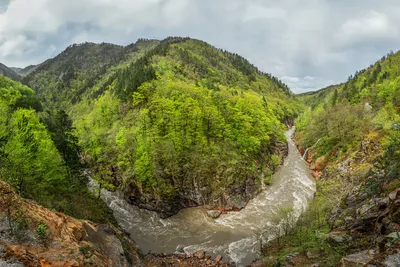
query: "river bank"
236, 236
351, 221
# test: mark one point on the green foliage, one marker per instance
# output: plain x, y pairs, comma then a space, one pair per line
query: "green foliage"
80, 70
159, 115
42, 231
275, 161
30, 160
306, 235
346, 114
185, 110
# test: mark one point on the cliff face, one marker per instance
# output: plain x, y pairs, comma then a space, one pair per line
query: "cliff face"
31, 235
35, 236
354, 219
365, 220
197, 192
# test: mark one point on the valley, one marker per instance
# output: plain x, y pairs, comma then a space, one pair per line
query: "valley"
129, 148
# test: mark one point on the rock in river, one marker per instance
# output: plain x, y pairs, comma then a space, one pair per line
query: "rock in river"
214, 214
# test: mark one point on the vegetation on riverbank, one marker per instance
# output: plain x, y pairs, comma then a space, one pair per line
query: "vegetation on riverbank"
178, 123
352, 130
39, 159
172, 123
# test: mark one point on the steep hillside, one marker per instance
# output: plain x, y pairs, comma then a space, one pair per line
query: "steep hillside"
9, 73
24, 71
35, 236
62, 80
40, 164
173, 124
37, 166
351, 136
368, 104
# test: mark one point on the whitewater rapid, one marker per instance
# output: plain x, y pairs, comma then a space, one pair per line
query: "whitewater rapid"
235, 235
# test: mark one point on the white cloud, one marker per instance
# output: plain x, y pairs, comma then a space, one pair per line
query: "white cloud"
258, 12
16, 46
290, 79
372, 25
309, 43
307, 83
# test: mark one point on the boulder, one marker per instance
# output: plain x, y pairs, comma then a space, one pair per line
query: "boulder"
214, 213
200, 254
338, 238
394, 235
358, 260
392, 260
394, 194
218, 258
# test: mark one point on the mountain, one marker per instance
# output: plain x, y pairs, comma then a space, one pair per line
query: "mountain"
39, 154
62, 80
350, 135
7, 72
179, 123
24, 71
164, 121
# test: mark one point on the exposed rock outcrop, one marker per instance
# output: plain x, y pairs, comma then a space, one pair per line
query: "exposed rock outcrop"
197, 192
214, 213
358, 259
65, 241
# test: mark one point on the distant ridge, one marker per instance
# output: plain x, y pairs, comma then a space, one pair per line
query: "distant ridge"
9, 73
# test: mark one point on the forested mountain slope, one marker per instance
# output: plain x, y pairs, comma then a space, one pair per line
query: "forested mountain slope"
7, 72
41, 164
351, 136
174, 123
366, 106
24, 71
62, 80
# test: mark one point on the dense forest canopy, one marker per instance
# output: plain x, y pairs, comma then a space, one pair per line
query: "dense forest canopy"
159, 115
365, 108
40, 164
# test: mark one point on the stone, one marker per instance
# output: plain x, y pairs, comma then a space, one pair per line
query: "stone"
357, 260
392, 260
214, 214
394, 235
180, 249
365, 208
200, 254
367, 107
348, 220
338, 238
218, 258
10, 264
394, 194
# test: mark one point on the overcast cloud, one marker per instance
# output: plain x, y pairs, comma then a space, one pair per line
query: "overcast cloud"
308, 44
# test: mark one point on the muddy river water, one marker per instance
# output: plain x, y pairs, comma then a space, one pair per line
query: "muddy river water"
235, 235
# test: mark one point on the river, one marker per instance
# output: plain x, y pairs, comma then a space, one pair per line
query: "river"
234, 235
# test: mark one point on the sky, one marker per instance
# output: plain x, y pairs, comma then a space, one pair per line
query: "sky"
307, 44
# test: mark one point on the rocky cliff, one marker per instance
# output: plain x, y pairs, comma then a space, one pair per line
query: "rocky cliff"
197, 192
35, 236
